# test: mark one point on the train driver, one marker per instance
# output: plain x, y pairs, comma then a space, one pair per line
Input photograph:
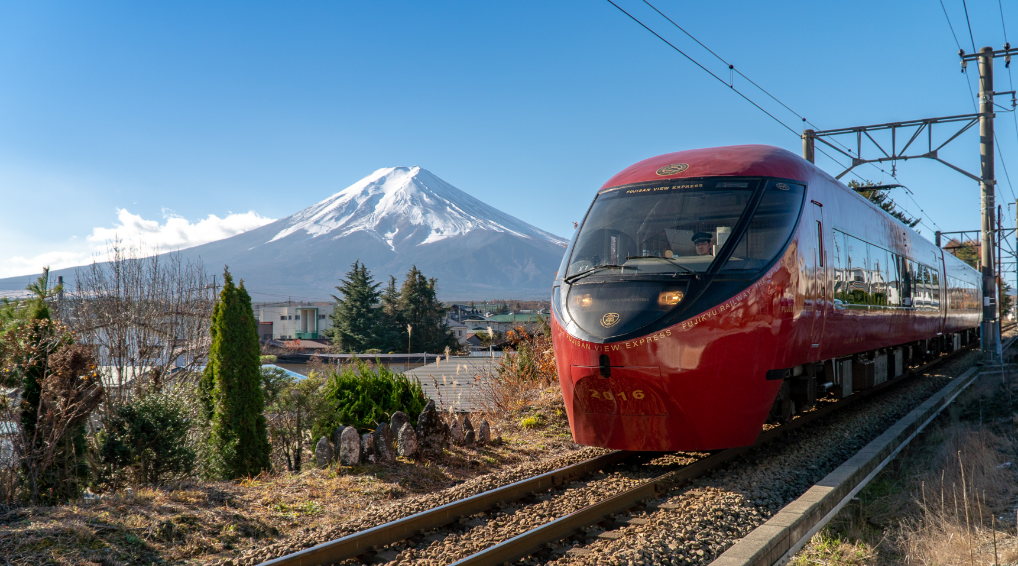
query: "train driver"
702, 242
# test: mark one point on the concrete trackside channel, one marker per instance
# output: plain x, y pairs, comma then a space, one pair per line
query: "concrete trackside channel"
783, 535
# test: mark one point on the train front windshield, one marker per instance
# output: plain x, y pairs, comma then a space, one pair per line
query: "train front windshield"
640, 244
682, 226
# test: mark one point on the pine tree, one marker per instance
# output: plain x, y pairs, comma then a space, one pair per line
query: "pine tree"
231, 387
37, 315
420, 308
354, 319
390, 327
880, 198
67, 469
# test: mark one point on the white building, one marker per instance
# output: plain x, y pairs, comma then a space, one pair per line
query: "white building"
289, 322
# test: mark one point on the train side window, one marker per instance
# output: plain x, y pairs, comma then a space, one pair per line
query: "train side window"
925, 287
935, 288
893, 279
820, 243
855, 274
915, 280
878, 274
840, 267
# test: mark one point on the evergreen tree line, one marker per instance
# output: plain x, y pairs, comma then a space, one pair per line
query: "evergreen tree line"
369, 320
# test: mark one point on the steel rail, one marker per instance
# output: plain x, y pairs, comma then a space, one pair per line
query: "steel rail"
362, 542
536, 539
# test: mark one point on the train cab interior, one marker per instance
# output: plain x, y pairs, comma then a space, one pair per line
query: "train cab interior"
645, 250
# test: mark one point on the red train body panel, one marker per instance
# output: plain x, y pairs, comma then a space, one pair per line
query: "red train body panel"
700, 381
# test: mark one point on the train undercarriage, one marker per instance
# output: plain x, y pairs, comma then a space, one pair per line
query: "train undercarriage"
802, 386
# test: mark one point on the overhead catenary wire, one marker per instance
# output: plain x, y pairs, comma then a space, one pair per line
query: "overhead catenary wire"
950, 25
745, 97
1010, 80
969, 23
705, 69
972, 95
765, 91
740, 73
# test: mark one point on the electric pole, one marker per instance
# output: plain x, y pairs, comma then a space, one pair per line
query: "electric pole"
990, 336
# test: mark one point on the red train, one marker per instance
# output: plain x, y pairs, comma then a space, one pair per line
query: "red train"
710, 290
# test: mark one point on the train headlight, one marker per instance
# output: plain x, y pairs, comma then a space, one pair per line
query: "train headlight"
583, 301
669, 298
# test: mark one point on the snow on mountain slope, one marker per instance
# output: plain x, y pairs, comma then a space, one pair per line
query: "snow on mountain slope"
405, 206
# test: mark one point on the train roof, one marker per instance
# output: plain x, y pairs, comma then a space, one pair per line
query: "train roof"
728, 161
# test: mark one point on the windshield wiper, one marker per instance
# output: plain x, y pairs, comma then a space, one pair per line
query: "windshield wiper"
670, 260
590, 271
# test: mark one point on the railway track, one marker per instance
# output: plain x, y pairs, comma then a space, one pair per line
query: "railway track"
572, 509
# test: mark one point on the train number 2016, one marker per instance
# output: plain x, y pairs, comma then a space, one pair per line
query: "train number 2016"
638, 394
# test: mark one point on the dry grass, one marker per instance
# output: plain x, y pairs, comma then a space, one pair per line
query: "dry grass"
200, 522
954, 517
950, 498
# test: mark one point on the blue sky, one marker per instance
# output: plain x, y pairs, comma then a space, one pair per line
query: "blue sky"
171, 117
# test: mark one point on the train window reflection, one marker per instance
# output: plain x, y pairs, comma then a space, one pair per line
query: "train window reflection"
675, 227
770, 228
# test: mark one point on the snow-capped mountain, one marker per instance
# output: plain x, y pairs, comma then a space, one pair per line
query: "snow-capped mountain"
405, 206
393, 218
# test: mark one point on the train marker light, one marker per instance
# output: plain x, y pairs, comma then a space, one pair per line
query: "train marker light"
669, 298
583, 301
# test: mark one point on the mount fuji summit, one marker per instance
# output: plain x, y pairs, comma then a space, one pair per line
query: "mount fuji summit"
393, 218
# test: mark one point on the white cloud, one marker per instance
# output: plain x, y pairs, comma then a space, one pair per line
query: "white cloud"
174, 233
20, 265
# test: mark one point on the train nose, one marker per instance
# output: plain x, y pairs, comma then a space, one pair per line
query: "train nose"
624, 391
624, 407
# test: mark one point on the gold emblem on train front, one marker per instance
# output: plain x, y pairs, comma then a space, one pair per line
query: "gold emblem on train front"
609, 319
673, 169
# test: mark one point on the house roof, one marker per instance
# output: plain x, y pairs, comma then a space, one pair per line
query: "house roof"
454, 383
514, 318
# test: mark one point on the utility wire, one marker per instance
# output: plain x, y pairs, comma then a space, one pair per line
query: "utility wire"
762, 89
746, 98
732, 67
1010, 80
949, 25
695, 62
967, 21
972, 94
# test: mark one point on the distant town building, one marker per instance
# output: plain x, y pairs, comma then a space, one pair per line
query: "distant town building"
293, 321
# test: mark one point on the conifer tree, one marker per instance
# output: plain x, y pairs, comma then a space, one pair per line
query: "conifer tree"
66, 470
880, 198
421, 309
231, 387
390, 326
354, 319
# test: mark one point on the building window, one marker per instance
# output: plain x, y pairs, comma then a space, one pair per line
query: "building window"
297, 317
282, 317
321, 317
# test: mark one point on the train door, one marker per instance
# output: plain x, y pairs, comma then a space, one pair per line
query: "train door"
819, 276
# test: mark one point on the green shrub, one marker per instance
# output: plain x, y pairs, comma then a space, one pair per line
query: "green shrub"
362, 396
149, 434
274, 380
268, 359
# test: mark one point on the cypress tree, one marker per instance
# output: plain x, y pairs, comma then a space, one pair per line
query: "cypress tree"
354, 319
231, 387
